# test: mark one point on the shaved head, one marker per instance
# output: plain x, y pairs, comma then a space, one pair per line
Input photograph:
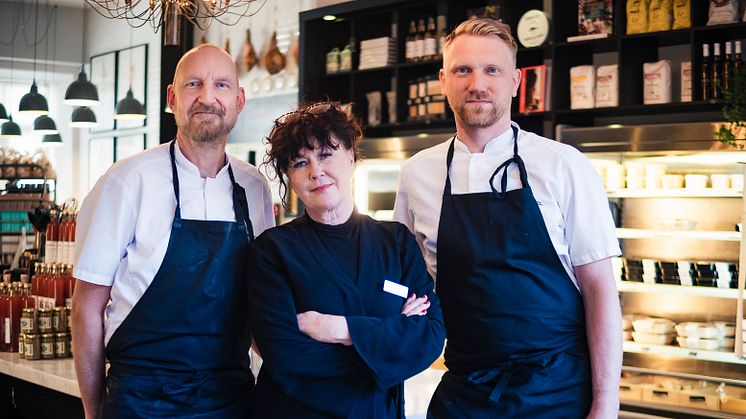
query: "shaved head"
211, 53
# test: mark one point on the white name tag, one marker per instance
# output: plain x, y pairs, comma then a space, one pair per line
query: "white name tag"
396, 289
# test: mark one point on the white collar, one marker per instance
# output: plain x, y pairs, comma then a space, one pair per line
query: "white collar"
192, 168
494, 146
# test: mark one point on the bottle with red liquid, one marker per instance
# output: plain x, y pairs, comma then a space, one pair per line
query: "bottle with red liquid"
70, 287
15, 307
71, 238
3, 316
28, 300
50, 250
59, 286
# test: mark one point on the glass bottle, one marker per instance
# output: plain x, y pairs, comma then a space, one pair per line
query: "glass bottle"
419, 42
409, 52
715, 72
431, 41
705, 71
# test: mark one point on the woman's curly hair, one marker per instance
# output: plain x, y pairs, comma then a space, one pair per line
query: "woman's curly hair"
324, 125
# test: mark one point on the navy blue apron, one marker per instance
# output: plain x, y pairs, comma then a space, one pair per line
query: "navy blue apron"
183, 349
516, 342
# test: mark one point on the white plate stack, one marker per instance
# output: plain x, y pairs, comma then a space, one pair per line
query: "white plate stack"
707, 336
377, 52
653, 331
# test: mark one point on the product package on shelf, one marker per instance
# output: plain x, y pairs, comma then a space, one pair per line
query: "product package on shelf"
582, 87
607, 86
377, 52
657, 82
532, 95
637, 16
660, 15
595, 18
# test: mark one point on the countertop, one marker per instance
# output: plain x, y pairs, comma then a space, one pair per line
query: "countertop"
55, 374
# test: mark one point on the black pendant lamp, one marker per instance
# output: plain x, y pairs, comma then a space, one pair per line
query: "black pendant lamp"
45, 125
51, 140
81, 92
33, 103
3, 114
83, 117
10, 129
130, 108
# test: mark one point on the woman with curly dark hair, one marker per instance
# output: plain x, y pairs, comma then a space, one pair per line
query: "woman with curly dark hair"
343, 309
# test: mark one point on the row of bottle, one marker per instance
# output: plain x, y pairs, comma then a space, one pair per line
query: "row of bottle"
717, 72
14, 297
52, 285
424, 43
60, 239
426, 101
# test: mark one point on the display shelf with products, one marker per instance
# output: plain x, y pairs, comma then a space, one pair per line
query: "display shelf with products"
635, 233
726, 356
713, 292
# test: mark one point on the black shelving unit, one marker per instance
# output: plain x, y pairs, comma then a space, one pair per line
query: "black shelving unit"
366, 19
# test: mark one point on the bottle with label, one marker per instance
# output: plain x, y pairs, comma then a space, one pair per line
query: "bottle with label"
409, 52
737, 63
715, 72
442, 34
419, 42
705, 72
69, 286
15, 310
3, 322
727, 67
50, 251
431, 40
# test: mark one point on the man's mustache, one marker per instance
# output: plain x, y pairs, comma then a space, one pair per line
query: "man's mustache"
199, 108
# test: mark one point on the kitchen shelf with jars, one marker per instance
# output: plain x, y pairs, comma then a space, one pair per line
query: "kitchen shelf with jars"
676, 194
384, 56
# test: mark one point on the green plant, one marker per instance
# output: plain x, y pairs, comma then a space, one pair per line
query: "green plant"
734, 111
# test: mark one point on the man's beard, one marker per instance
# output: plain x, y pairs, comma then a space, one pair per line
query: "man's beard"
209, 129
480, 116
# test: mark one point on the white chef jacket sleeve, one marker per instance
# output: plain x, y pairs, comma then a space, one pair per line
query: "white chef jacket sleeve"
589, 226
105, 227
402, 213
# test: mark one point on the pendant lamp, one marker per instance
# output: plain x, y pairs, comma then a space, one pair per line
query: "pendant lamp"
3, 114
81, 92
32, 102
129, 108
51, 140
83, 117
45, 125
10, 129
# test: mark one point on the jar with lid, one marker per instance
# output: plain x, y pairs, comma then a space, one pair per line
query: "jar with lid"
44, 317
32, 346
47, 346
28, 320
62, 345
21, 345
59, 319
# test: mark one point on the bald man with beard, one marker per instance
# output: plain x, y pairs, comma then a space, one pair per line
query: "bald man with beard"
160, 263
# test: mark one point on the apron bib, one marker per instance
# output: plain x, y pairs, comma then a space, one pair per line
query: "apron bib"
516, 343
183, 349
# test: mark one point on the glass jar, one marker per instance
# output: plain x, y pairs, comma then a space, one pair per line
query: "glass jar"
59, 319
44, 317
62, 345
32, 346
21, 345
28, 320
47, 346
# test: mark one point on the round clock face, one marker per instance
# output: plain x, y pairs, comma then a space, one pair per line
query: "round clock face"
533, 28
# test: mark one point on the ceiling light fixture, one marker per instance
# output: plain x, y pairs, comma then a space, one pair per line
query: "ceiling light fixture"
32, 102
83, 117
168, 13
10, 129
45, 125
51, 140
81, 92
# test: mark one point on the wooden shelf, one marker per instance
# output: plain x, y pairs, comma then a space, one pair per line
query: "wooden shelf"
636, 233
631, 286
676, 193
675, 351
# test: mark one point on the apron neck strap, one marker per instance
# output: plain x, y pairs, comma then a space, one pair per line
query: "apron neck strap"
175, 179
240, 203
504, 181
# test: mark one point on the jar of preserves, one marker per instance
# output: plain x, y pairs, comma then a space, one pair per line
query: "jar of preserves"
47, 346
44, 316
32, 346
21, 345
28, 320
68, 310
59, 319
62, 345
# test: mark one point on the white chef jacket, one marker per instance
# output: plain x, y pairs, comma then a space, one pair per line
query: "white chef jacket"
124, 223
567, 188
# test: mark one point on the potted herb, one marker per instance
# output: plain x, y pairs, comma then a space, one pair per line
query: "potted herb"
734, 111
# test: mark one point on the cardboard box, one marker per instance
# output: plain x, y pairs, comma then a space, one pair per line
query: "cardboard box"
706, 398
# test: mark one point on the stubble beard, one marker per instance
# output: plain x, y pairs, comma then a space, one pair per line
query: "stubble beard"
482, 116
210, 129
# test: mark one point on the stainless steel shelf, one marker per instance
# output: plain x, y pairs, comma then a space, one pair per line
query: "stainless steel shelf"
627, 286
636, 233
